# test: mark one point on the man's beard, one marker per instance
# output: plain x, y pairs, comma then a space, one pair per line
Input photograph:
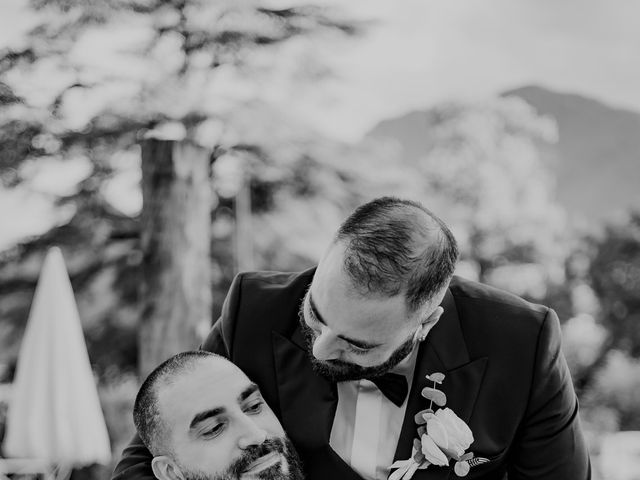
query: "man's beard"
290, 469
340, 371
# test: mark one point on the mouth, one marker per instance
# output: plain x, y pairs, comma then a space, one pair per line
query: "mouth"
267, 461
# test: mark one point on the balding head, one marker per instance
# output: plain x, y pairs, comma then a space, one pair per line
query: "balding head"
203, 419
146, 413
393, 246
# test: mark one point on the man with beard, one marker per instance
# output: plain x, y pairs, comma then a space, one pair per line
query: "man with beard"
336, 348
203, 419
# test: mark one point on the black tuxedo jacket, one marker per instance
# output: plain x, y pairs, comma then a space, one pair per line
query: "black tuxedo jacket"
506, 378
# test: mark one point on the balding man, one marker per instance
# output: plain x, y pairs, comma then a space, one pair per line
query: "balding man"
203, 419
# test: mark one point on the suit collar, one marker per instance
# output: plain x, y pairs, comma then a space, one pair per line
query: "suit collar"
299, 340
445, 340
303, 394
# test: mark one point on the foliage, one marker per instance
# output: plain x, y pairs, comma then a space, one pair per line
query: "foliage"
604, 356
583, 342
171, 62
91, 78
617, 387
507, 205
483, 167
615, 276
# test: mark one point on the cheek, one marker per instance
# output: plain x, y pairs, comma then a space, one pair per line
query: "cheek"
270, 423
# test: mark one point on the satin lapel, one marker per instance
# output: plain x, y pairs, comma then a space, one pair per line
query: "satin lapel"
307, 400
308, 404
443, 351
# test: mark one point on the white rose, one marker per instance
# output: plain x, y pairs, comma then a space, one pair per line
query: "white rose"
449, 432
432, 453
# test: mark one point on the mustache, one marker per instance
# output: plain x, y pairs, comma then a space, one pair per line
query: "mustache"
254, 452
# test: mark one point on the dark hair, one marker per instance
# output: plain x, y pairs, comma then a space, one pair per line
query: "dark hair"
146, 414
395, 245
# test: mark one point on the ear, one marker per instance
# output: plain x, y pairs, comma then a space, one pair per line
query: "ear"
164, 468
427, 324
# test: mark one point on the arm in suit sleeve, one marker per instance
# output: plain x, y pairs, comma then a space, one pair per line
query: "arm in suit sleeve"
135, 463
550, 444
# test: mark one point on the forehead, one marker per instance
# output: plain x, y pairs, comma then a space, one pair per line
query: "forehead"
345, 309
210, 383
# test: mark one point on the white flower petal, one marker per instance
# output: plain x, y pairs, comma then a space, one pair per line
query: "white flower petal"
398, 474
406, 469
467, 434
401, 464
438, 432
432, 453
412, 469
459, 433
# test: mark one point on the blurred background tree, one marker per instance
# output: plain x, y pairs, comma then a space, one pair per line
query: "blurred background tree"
484, 168
172, 62
615, 278
172, 75
610, 384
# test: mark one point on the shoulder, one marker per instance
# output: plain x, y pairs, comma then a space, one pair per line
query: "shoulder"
479, 295
493, 319
266, 299
272, 283
271, 277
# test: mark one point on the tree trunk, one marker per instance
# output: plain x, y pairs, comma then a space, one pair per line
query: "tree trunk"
175, 238
244, 231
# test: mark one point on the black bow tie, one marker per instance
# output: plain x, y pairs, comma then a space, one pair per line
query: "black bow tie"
392, 386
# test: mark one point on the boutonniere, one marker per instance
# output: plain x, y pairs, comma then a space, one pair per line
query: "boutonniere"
442, 437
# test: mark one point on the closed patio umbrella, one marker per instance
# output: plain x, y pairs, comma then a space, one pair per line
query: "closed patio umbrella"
54, 414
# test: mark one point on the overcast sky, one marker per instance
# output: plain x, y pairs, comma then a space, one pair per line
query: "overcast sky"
425, 51
420, 52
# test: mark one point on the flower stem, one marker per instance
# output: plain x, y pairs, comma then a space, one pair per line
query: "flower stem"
431, 400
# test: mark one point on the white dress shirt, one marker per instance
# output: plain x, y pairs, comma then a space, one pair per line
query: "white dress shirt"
367, 425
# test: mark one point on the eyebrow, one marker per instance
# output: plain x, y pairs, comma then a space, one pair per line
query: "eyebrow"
202, 416
247, 392
352, 341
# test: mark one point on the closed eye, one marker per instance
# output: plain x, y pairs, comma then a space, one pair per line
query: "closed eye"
254, 407
312, 322
214, 431
358, 350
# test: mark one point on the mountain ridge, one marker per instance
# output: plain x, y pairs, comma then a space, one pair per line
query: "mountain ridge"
596, 161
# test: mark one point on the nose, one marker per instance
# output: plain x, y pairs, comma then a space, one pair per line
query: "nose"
325, 346
251, 433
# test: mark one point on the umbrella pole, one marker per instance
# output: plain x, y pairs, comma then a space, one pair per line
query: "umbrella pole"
61, 472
